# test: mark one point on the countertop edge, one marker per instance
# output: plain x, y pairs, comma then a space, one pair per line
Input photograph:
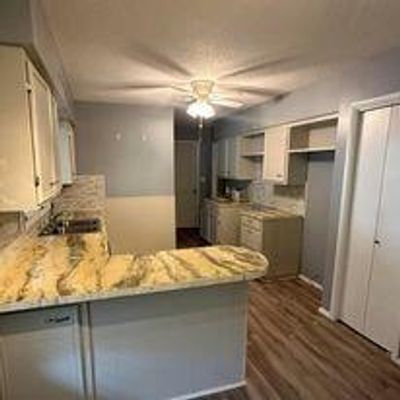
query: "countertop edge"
130, 292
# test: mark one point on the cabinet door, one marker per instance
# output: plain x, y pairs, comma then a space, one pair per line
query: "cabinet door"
56, 145
276, 155
222, 153
41, 355
232, 162
43, 135
228, 226
67, 152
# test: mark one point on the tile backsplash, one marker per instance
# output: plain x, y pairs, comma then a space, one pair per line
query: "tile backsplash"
289, 198
86, 194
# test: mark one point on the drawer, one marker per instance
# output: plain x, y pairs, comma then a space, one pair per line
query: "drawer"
251, 238
250, 222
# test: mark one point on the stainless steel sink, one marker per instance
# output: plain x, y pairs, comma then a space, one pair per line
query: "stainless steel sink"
72, 226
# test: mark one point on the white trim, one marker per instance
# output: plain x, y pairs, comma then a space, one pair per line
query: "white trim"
351, 125
313, 120
207, 392
323, 311
310, 282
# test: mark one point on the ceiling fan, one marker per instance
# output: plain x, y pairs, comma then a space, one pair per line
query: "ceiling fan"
202, 94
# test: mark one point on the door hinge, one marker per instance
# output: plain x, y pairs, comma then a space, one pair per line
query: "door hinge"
37, 181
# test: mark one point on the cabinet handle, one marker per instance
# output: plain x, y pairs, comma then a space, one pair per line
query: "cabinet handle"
61, 319
377, 242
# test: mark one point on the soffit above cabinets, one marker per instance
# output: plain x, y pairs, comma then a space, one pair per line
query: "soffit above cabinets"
117, 51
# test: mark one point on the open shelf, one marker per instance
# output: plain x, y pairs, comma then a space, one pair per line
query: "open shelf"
312, 149
254, 154
317, 136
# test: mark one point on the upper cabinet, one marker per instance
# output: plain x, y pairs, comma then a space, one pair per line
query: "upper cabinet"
230, 163
276, 158
29, 171
279, 166
287, 148
66, 141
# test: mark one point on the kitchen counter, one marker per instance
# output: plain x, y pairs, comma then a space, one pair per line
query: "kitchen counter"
57, 270
171, 324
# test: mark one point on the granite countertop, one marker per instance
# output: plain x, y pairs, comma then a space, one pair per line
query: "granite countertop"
55, 270
266, 213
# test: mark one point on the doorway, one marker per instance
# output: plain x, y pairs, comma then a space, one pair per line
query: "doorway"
186, 184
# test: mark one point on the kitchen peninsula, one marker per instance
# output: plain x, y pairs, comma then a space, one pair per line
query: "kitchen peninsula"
171, 324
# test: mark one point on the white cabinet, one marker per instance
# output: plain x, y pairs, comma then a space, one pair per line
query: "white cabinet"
221, 223
281, 167
66, 142
276, 155
222, 158
227, 225
40, 354
372, 282
28, 163
230, 163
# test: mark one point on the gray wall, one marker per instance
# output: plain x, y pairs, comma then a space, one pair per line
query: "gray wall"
131, 145
315, 233
22, 22
369, 78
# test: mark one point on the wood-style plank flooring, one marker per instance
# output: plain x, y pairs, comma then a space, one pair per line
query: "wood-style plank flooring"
189, 237
295, 353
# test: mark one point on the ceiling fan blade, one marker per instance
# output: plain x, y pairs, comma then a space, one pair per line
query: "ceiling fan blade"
159, 61
259, 66
253, 90
226, 103
140, 86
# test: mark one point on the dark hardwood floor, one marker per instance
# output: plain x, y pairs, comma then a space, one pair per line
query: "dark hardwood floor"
189, 237
295, 353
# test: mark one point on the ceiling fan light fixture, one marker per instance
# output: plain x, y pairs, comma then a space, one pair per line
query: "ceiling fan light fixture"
201, 109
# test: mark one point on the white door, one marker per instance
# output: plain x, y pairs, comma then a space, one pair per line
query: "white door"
365, 206
371, 301
383, 304
186, 184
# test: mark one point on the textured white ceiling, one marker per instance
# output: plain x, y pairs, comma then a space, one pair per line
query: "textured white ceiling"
109, 47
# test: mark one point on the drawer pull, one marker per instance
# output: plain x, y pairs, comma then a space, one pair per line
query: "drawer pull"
62, 319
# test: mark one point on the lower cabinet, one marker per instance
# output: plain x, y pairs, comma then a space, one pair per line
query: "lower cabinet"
227, 229
220, 223
41, 355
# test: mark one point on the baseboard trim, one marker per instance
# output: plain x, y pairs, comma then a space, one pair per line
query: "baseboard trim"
323, 311
208, 392
310, 282
396, 359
